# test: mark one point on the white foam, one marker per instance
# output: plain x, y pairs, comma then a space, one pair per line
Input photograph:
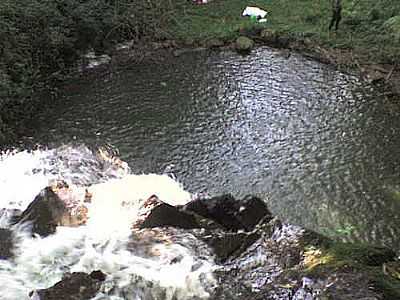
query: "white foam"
102, 243
116, 203
19, 182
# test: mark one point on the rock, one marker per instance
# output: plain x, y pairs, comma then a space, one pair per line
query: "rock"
289, 262
244, 44
166, 44
392, 269
268, 35
233, 215
53, 206
75, 286
274, 39
214, 43
6, 243
45, 212
375, 77
251, 211
226, 245
159, 214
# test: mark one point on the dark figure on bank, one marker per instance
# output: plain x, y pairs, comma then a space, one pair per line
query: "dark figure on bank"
336, 14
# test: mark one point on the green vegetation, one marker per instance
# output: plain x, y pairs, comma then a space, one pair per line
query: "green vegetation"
42, 39
370, 27
326, 258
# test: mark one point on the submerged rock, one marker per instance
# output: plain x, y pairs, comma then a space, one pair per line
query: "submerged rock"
6, 243
75, 286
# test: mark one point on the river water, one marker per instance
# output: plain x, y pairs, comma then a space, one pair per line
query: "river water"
320, 146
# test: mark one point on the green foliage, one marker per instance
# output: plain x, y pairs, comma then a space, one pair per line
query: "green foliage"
45, 37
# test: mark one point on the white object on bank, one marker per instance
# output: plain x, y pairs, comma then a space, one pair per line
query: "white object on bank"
252, 11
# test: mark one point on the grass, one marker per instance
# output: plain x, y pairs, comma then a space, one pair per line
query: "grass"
365, 27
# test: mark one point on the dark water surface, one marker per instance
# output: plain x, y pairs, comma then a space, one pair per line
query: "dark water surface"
319, 144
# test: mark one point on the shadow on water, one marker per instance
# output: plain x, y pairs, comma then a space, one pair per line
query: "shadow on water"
321, 145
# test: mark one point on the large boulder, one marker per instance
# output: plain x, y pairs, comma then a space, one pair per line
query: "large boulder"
244, 44
53, 206
156, 213
232, 214
75, 286
6, 243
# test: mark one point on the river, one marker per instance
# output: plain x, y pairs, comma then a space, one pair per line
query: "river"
320, 146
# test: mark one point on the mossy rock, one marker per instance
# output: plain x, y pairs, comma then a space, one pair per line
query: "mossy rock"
327, 254
393, 25
268, 35
244, 44
372, 264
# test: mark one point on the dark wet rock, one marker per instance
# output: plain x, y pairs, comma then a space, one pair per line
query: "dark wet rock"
160, 214
227, 245
288, 262
6, 243
44, 213
244, 44
230, 213
53, 206
251, 211
75, 286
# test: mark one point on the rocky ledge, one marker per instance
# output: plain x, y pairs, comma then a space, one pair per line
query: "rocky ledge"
259, 257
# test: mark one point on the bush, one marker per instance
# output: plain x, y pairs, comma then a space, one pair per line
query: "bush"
44, 37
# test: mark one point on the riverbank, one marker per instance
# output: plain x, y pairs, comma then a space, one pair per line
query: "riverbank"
368, 39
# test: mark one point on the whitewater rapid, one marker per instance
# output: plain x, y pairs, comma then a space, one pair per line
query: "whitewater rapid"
176, 266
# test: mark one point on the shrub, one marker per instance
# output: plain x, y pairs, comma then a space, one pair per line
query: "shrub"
44, 37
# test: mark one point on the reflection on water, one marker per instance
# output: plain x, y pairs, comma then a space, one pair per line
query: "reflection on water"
318, 143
